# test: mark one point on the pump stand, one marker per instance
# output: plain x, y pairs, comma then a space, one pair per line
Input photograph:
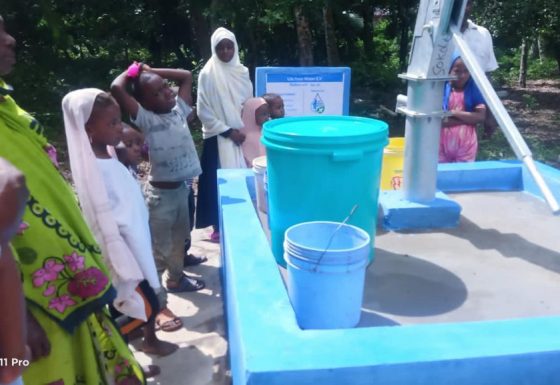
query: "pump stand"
419, 204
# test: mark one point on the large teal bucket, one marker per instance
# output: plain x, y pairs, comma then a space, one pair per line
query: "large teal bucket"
319, 168
326, 272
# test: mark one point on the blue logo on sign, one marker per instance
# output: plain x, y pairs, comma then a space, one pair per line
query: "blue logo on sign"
317, 105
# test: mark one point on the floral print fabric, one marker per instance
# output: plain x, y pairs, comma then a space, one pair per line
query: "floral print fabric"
93, 354
61, 264
65, 282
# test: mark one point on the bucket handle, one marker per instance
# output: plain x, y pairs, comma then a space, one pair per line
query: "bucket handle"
332, 236
344, 156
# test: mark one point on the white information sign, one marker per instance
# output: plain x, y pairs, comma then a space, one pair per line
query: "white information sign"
307, 90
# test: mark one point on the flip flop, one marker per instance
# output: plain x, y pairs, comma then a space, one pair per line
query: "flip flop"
169, 326
187, 284
193, 260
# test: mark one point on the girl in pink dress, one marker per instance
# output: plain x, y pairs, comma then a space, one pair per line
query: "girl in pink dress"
254, 114
458, 140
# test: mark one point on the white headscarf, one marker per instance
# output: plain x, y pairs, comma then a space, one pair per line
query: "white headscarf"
125, 272
222, 90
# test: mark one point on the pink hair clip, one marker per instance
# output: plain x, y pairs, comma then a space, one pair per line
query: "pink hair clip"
134, 70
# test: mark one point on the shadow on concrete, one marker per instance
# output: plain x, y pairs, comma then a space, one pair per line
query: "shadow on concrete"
510, 245
369, 319
190, 366
403, 285
251, 188
212, 295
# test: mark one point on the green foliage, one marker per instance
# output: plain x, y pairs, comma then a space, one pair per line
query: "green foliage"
508, 73
496, 148
380, 69
545, 69
529, 101
68, 44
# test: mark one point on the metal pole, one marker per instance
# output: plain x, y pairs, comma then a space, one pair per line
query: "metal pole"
422, 132
427, 70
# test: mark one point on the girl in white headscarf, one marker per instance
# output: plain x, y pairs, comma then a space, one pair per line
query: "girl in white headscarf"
223, 87
114, 208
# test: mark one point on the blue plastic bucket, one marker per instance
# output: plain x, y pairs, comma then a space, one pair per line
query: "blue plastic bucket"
319, 168
326, 271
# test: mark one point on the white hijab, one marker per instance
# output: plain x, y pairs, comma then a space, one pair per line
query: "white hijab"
125, 272
222, 90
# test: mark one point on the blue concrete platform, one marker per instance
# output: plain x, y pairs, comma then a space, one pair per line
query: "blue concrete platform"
268, 348
443, 212
402, 214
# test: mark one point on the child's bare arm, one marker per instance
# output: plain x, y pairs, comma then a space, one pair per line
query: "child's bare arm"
13, 198
125, 100
183, 78
12, 322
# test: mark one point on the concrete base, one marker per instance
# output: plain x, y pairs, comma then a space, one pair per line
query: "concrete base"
402, 214
268, 348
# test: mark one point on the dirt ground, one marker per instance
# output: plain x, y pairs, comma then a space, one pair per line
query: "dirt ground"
536, 108
536, 111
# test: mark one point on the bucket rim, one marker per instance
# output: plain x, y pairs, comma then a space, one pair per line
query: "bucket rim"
320, 268
289, 119
260, 162
364, 233
295, 132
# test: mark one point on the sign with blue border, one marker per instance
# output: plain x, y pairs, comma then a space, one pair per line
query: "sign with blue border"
307, 90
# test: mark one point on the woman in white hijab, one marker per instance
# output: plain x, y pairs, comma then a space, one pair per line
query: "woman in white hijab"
223, 87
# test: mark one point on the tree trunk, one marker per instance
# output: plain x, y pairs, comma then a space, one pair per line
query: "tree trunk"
333, 59
201, 32
540, 45
534, 51
214, 22
252, 53
523, 63
403, 46
367, 31
305, 42
404, 22
154, 46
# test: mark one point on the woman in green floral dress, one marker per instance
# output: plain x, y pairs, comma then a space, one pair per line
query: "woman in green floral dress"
65, 282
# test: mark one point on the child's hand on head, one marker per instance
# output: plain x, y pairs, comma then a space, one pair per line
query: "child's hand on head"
134, 70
